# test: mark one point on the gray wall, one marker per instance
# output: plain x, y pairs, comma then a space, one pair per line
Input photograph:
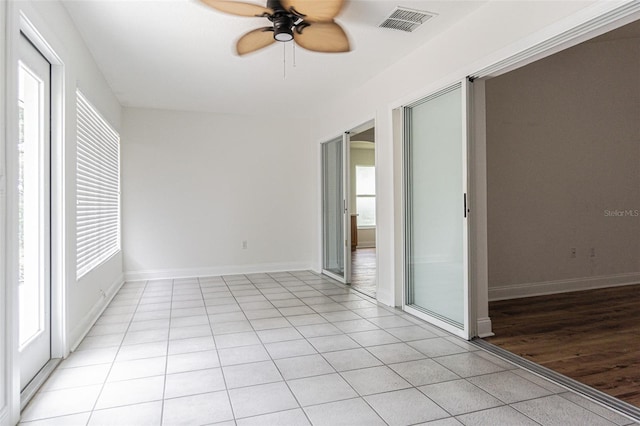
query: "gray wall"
563, 148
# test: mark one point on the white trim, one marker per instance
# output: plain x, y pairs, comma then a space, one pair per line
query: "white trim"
478, 256
346, 196
385, 297
483, 327
5, 346
517, 291
370, 244
153, 274
584, 25
82, 328
11, 355
397, 298
36, 383
57, 191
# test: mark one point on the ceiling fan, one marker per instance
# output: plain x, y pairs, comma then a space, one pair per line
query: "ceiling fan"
310, 23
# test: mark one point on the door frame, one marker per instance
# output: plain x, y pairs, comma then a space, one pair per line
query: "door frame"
36, 351
346, 147
370, 124
21, 19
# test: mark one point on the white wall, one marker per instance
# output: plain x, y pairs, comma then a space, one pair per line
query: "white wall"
361, 157
85, 297
492, 33
73, 67
195, 185
4, 402
563, 147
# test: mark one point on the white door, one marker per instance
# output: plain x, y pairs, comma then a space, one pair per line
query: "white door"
336, 231
34, 224
436, 231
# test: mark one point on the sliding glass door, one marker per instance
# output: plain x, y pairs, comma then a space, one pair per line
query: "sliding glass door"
436, 234
336, 258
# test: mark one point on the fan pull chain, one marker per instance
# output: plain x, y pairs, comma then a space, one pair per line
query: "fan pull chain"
284, 61
294, 54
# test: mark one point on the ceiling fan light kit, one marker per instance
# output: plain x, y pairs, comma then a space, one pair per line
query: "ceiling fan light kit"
309, 23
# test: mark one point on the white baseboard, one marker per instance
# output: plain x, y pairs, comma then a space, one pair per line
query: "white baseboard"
370, 244
561, 286
484, 327
80, 331
385, 297
214, 271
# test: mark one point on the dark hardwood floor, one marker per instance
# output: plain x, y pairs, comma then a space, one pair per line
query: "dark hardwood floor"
591, 336
363, 270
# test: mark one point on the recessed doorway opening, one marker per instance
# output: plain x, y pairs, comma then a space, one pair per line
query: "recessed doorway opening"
563, 199
349, 209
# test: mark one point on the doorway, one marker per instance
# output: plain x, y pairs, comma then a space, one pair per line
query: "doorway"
348, 176
563, 221
33, 211
362, 203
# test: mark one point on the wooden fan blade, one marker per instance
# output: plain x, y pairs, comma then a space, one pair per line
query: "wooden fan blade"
255, 40
238, 8
323, 37
315, 10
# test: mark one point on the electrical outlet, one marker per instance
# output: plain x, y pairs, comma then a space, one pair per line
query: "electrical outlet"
592, 253
244, 244
573, 252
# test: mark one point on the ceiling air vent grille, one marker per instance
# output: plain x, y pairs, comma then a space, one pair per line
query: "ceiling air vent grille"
404, 19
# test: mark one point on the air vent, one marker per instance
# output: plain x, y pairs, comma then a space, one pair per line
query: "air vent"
404, 19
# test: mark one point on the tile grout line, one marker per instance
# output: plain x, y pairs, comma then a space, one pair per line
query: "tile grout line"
358, 396
213, 336
166, 359
387, 365
276, 365
117, 352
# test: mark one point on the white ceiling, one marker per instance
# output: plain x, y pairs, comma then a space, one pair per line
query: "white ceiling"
179, 54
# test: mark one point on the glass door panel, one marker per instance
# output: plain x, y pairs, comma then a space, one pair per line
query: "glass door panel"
436, 231
33, 212
335, 228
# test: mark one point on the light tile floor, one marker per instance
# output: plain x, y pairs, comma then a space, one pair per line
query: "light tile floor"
290, 348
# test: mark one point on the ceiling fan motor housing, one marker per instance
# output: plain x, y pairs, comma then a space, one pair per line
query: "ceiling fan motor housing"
283, 21
282, 28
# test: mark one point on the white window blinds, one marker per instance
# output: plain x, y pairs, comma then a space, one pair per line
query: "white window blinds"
98, 189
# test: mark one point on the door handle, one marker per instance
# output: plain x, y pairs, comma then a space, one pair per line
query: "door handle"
465, 205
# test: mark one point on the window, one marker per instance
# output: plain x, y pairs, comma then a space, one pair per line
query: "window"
98, 189
366, 195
